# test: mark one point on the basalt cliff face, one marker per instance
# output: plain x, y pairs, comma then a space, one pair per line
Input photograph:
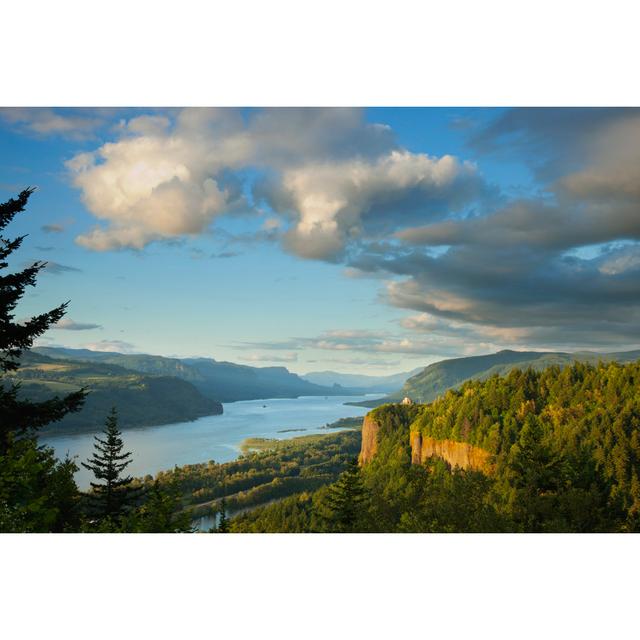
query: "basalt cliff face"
370, 430
457, 454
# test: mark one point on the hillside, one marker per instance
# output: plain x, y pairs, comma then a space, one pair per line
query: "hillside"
221, 381
556, 450
439, 377
279, 468
141, 400
239, 382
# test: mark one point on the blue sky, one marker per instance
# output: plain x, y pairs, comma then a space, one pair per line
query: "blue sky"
363, 240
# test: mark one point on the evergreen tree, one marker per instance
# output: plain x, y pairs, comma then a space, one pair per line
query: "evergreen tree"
534, 475
345, 500
20, 417
113, 497
223, 523
160, 513
37, 492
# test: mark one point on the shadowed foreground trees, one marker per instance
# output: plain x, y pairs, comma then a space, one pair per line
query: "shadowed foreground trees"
344, 504
114, 496
117, 504
37, 492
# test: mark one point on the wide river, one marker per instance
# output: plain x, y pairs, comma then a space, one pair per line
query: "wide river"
214, 437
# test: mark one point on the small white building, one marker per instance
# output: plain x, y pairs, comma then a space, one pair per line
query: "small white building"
407, 400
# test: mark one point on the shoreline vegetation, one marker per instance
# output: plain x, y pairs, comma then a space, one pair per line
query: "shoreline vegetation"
268, 470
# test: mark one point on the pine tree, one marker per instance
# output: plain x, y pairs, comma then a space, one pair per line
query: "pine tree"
345, 500
20, 417
160, 513
223, 523
37, 492
112, 498
535, 475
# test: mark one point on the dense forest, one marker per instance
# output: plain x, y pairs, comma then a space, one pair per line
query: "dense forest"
565, 450
280, 469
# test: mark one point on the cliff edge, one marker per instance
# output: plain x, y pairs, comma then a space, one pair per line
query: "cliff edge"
369, 447
457, 454
392, 425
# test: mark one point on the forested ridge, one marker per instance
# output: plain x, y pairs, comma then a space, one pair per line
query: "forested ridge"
565, 443
283, 468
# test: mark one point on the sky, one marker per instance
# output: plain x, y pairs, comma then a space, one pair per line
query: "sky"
356, 240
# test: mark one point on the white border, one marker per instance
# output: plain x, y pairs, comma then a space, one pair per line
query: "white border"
319, 586
338, 52
331, 53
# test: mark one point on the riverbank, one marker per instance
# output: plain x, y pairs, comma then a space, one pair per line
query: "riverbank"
213, 438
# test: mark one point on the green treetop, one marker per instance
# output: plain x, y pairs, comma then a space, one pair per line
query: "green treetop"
37, 492
112, 497
345, 500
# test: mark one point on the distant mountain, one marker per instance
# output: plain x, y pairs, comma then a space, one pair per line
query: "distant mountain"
368, 384
221, 381
141, 400
437, 378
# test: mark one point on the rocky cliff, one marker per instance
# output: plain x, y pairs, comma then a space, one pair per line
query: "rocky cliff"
457, 454
370, 430
392, 424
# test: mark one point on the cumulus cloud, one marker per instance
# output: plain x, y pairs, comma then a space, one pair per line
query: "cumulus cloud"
334, 177
558, 270
334, 203
164, 179
473, 266
66, 324
148, 187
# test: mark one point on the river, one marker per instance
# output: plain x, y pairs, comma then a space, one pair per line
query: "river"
213, 437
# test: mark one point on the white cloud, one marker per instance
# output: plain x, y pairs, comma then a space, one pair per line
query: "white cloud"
333, 175
111, 345
270, 357
333, 203
440, 344
71, 325
149, 187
